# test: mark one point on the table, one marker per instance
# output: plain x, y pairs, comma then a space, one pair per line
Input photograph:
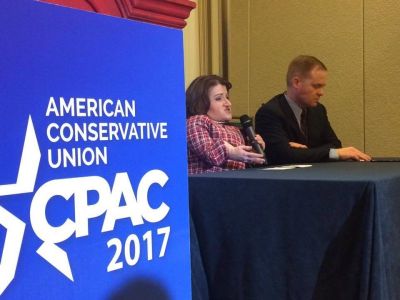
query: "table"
330, 231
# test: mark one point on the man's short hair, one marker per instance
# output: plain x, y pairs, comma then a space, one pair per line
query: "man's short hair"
302, 66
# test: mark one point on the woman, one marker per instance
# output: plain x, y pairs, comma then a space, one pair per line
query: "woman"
213, 144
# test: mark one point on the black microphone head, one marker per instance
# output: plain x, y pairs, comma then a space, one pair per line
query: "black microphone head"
246, 121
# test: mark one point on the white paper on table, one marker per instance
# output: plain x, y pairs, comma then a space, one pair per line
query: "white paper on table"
288, 167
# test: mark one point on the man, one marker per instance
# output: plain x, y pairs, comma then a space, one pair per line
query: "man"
295, 125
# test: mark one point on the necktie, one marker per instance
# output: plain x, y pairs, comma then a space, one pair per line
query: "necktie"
303, 122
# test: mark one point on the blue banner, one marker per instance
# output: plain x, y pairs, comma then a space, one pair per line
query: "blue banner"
93, 181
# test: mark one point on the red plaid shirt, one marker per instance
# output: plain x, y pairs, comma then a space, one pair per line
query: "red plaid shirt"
206, 149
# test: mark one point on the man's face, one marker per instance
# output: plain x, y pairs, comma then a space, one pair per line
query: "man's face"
310, 89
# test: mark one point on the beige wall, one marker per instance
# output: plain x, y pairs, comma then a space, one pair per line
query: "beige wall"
359, 41
203, 38
382, 88
191, 46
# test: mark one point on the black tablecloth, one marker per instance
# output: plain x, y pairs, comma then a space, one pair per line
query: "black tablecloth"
331, 231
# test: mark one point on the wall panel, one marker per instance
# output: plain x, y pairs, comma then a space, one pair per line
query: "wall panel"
382, 89
238, 55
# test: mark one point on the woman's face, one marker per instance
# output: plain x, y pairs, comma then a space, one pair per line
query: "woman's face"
220, 106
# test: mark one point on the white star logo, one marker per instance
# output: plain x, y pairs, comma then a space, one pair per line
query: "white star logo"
25, 183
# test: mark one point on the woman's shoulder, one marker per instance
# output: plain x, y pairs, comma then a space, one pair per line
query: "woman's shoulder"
199, 119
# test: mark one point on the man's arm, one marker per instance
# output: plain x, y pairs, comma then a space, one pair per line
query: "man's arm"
330, 138
337, 152
271, 127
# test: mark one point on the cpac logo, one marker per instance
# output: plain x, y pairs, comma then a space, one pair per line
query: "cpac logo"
137, 208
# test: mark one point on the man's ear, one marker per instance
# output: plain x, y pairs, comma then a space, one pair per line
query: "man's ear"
296, 81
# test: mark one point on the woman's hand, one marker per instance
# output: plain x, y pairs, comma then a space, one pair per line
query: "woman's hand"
244, 154
260, 140
297, 145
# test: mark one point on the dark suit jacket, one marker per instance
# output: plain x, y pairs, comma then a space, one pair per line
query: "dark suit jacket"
277, 124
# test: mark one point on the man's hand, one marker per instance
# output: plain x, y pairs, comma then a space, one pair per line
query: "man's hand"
297, 145
351, 153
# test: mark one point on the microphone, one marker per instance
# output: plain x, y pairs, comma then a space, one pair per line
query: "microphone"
247, 125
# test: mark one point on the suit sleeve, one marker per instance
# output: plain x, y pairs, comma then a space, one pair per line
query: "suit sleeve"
330, 138
271, 126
